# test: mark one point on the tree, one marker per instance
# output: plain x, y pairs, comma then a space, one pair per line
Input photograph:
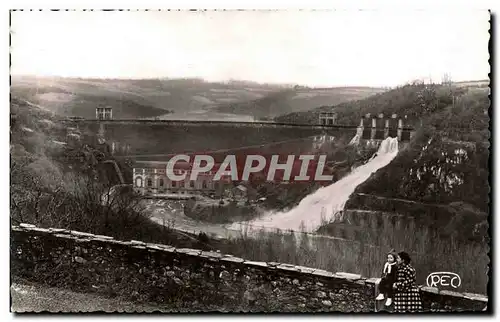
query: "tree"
446, 79
427, 99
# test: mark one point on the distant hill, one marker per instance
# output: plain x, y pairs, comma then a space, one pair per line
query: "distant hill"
142, 98
296, 99
181, 98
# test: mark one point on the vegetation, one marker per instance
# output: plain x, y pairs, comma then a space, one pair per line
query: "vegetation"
63, 184
447, 160
429, 253
412, 100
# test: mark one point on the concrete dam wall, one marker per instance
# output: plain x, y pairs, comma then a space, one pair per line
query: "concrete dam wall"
162, 137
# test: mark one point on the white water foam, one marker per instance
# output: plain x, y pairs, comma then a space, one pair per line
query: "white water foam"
321, 205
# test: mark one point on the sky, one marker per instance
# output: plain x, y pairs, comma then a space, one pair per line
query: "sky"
312, 48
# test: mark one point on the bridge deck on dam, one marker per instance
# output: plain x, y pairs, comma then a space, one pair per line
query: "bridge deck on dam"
222, 123
151, 137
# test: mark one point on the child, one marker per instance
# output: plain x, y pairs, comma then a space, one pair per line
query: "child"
388, 278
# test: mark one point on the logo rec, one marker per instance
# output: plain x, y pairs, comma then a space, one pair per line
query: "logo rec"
444, 279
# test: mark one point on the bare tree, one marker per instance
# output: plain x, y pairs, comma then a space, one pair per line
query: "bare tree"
446, 79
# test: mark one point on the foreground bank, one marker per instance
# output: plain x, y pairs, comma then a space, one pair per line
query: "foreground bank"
206, 280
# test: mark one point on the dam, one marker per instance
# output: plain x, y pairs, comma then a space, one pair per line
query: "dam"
144, 138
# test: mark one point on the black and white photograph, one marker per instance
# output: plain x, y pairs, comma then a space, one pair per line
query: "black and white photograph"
250, 161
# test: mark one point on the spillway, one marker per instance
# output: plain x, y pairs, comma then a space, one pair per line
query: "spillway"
325, 202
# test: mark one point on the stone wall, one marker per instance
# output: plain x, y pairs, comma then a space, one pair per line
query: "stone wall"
190, 280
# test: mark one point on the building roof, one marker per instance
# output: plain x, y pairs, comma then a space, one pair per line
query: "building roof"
163, 164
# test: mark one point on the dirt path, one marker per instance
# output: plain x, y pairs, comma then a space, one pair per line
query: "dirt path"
31, 297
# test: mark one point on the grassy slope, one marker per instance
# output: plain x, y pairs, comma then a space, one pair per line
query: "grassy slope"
297, 100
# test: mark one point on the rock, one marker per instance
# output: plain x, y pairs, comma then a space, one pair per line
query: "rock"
224, 275
319, 284
302, 305
274, 283
178, 281
80, 260
302, 288
295, 282
320, 294
327, 303
249, 296
170, 273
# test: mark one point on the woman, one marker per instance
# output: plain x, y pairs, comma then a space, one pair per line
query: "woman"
406, 292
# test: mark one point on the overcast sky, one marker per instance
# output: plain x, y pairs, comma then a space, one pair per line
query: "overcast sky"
314, 48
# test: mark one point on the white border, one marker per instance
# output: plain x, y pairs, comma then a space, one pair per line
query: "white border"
186, 4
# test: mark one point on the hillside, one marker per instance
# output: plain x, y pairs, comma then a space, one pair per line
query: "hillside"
58, 179
441, 177
404, 100
297, 100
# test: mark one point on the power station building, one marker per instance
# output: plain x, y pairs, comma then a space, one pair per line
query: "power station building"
150, 179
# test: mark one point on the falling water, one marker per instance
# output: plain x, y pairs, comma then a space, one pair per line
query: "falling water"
322, 204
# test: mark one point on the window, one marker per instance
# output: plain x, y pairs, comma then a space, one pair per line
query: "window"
150, 182
181, 184
161, 182
138, 182
204, 185
191, 184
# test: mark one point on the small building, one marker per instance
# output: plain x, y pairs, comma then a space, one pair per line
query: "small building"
327, 118
104, 113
